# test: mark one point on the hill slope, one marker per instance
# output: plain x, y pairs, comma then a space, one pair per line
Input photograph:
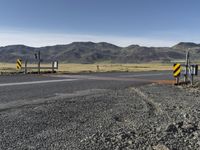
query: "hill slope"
89, 52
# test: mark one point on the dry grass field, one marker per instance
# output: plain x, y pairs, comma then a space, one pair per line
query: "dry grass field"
111, 67
77, 68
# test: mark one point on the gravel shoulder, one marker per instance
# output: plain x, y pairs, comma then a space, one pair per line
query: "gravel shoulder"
147, 117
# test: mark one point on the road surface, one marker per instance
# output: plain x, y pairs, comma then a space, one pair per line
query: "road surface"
30, 87
57, 111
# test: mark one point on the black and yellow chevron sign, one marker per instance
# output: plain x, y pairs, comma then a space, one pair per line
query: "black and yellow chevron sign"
177, 70
19, 64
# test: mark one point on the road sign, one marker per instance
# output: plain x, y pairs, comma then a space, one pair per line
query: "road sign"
177, 70
19, 64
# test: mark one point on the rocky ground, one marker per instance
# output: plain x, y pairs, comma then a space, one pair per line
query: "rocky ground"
151, 117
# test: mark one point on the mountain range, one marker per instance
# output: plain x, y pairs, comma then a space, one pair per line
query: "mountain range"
89, 52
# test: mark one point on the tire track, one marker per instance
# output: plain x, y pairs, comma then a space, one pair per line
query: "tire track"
153, 108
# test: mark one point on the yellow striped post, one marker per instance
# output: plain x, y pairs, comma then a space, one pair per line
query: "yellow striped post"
19, 64
177, 72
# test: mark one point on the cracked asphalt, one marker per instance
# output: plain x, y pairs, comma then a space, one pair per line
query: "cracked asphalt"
105, 112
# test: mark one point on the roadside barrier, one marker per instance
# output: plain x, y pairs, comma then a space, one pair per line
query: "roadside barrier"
190, 70
25, 68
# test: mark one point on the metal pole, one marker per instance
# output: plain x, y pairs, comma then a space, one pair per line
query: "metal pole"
177, 81
186, 66
38, 62
52, 66
192, 79
25, 71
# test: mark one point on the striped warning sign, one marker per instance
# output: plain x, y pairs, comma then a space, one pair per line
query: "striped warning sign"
19, 64
177, 70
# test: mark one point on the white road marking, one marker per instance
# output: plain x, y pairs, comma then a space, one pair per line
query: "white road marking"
36, 82
78, 77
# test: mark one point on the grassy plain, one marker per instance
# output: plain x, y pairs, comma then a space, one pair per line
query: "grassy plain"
76, 68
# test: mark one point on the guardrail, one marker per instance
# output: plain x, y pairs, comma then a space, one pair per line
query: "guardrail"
25, 68
190, 70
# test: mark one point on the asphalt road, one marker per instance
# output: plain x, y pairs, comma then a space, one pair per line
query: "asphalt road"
17, 87
30, 87
20, 93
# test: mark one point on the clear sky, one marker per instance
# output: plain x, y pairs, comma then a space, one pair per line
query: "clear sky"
121, 22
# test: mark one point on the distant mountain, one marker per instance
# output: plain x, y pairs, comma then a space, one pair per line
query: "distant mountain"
89, 52
186, 45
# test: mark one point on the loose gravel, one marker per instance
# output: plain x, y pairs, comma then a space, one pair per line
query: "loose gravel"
151, 117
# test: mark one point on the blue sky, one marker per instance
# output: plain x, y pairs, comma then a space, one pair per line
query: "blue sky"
121, 22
